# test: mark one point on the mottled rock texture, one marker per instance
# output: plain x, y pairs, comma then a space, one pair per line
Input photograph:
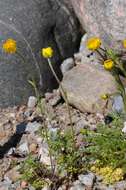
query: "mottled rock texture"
84, 85
104, 18
39, 23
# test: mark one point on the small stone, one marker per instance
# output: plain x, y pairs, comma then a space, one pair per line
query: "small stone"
4, 186
63, 187
100, 187
11, 151
55, 100
124, 128
82, 123
78, 57
46, 188
67, 65
110, 187
32, 101
53, 133
83, 41
93, 128
24, 184
118, 104
39, 140
23, 148
13, 174
33, 147
48, 96
87, 180
120, 185
44, 154
78, 187
32, 127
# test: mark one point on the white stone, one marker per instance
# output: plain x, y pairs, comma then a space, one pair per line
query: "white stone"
23, 148
44, 154
32, 101
67, 65
45, 188
87, 179
32, 127
124, 128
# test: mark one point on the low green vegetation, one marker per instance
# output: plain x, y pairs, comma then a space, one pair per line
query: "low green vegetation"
106, 153
103, 152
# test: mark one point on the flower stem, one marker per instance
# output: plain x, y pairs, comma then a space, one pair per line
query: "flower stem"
102, 56
44, 125
65, 98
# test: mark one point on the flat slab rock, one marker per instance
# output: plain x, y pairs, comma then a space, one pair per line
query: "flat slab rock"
85, 84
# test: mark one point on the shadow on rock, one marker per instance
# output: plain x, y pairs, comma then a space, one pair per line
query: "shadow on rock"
14, 140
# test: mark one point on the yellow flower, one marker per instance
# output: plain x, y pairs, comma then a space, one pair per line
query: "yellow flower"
104, 96
47, 52
124, 43
93, 43
10, 46
108, 64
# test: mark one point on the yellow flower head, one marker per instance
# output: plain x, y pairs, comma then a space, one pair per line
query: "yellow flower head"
108, 64
47, 52
104, 96
93, 43
10, 46
124, 43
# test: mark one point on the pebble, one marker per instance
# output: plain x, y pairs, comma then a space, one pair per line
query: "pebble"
32, 127
13, 174
87, 180
53, 133
24, 184
77, 186
23, 148
67, 64
120, 185
46, 188
124, 128
81, 124
118, 104
4, 186
44, 154
32, 101
33, 147
11, 151
55, 100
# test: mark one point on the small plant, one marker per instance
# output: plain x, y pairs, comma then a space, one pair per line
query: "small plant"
106, 153
69, 159
32, 172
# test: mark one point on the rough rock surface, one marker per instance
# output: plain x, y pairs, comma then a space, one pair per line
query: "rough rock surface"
24, 136
104, 18
33, 24
85, 84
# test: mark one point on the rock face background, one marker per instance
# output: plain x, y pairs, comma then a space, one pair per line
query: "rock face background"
39, 23
104, 18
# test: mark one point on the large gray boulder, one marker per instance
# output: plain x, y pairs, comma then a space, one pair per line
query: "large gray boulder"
33, 24
84, 86
104, 18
